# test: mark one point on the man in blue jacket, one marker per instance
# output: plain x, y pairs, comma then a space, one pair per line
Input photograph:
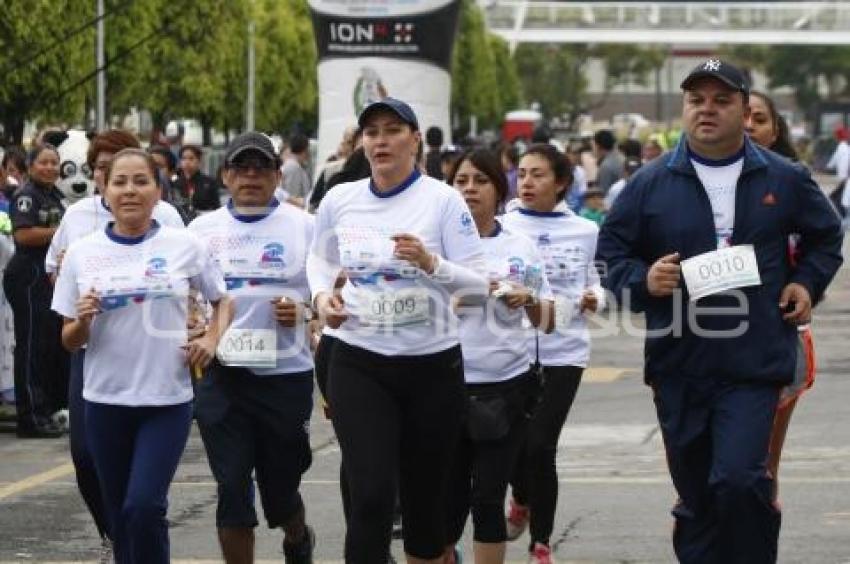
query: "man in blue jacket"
698, 241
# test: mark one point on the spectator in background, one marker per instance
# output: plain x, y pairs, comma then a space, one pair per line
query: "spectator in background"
631, 166
296, 180
194, 192
588, 162
166, 166
630, 148
349, 142
174, 138
609, 159
434, 140
652, 149
593, 207
14, 170
576, 193
448, 159
840, 159
509, 158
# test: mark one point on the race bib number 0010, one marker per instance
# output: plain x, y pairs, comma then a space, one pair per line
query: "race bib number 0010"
721, 270
251, 348
398, 308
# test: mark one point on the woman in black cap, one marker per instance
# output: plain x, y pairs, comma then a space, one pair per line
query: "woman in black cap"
407, 245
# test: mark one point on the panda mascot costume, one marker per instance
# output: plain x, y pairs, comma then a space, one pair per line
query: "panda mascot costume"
75, 175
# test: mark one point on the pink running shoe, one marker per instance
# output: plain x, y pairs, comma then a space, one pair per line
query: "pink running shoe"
517, 520
541, 554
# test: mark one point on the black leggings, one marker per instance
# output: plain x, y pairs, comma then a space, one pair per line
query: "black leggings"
535, 480
482, 468
398, 420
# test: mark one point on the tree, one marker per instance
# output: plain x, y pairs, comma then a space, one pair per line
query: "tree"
484, 79
286, 82
553, 76
43, 62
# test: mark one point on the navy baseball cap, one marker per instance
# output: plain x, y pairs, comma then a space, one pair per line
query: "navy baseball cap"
251, 141
399, 108
719, 70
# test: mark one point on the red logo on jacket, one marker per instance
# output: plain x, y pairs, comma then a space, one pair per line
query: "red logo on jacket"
769, 199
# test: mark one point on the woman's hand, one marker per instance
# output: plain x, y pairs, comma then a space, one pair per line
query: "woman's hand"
589, 302
287, 311
331, 309
410, 248
516, 296
88, 305
200, 351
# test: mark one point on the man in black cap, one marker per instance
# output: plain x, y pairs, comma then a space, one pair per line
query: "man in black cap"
253, 405
698, 242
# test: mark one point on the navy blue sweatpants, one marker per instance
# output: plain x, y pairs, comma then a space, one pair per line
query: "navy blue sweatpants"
716, 435
84, 468
136, 451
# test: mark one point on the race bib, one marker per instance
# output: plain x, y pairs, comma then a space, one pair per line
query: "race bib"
397, 308
565, 309
251, 348
721, 270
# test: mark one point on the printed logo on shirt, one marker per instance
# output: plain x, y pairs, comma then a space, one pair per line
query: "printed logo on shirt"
24, 204
272, 256
156, 268
467, 225
544, 239
516, 269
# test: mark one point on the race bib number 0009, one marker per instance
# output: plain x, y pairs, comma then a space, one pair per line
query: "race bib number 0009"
251, 348
721, 270
398, 308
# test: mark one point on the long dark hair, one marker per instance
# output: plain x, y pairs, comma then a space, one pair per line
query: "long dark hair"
487, 162
782, 145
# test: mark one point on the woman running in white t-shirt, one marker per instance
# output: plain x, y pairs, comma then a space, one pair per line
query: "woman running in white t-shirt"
568, 245
499, 380
407, 244
123, 292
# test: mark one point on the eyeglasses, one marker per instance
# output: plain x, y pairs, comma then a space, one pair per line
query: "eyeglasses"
259, 165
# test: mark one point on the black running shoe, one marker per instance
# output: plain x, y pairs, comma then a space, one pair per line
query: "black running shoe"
301, 553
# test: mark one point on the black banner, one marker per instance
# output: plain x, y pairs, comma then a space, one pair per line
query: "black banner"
427, 36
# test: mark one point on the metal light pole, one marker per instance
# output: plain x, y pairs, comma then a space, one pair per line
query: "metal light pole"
100, 108
249, 101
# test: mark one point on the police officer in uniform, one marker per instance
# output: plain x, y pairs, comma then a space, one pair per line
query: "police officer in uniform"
41, 365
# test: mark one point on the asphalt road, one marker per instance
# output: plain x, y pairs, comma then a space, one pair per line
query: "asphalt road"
615, 492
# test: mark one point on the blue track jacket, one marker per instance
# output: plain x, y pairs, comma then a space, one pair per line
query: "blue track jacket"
665, 209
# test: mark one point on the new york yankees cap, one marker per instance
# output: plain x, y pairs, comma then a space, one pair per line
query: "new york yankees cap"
720, 70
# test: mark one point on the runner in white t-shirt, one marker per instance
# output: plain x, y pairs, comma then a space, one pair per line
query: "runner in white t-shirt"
408, 245
124, 292
91, 215
499, 380
568, 245
253, 405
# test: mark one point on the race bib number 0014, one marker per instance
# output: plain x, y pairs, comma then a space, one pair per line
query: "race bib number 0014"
398, 308
251, 348
721, 270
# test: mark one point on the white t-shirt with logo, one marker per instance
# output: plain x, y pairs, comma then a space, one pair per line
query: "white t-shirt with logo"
394, 307
135, 354
90, 215
263, 258
720, 180
567, 244
492, 336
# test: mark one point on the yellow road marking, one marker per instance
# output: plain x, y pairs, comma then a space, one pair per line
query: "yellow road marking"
603, 374
36, 480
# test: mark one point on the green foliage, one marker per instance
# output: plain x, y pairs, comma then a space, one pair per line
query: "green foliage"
286, 87
39, 72
553, 75
484, 79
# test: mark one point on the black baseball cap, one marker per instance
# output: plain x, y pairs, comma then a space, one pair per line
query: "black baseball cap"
251, 141
719, 70
399, 108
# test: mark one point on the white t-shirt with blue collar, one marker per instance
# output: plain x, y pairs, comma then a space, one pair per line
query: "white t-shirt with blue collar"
263, 258
135, 355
